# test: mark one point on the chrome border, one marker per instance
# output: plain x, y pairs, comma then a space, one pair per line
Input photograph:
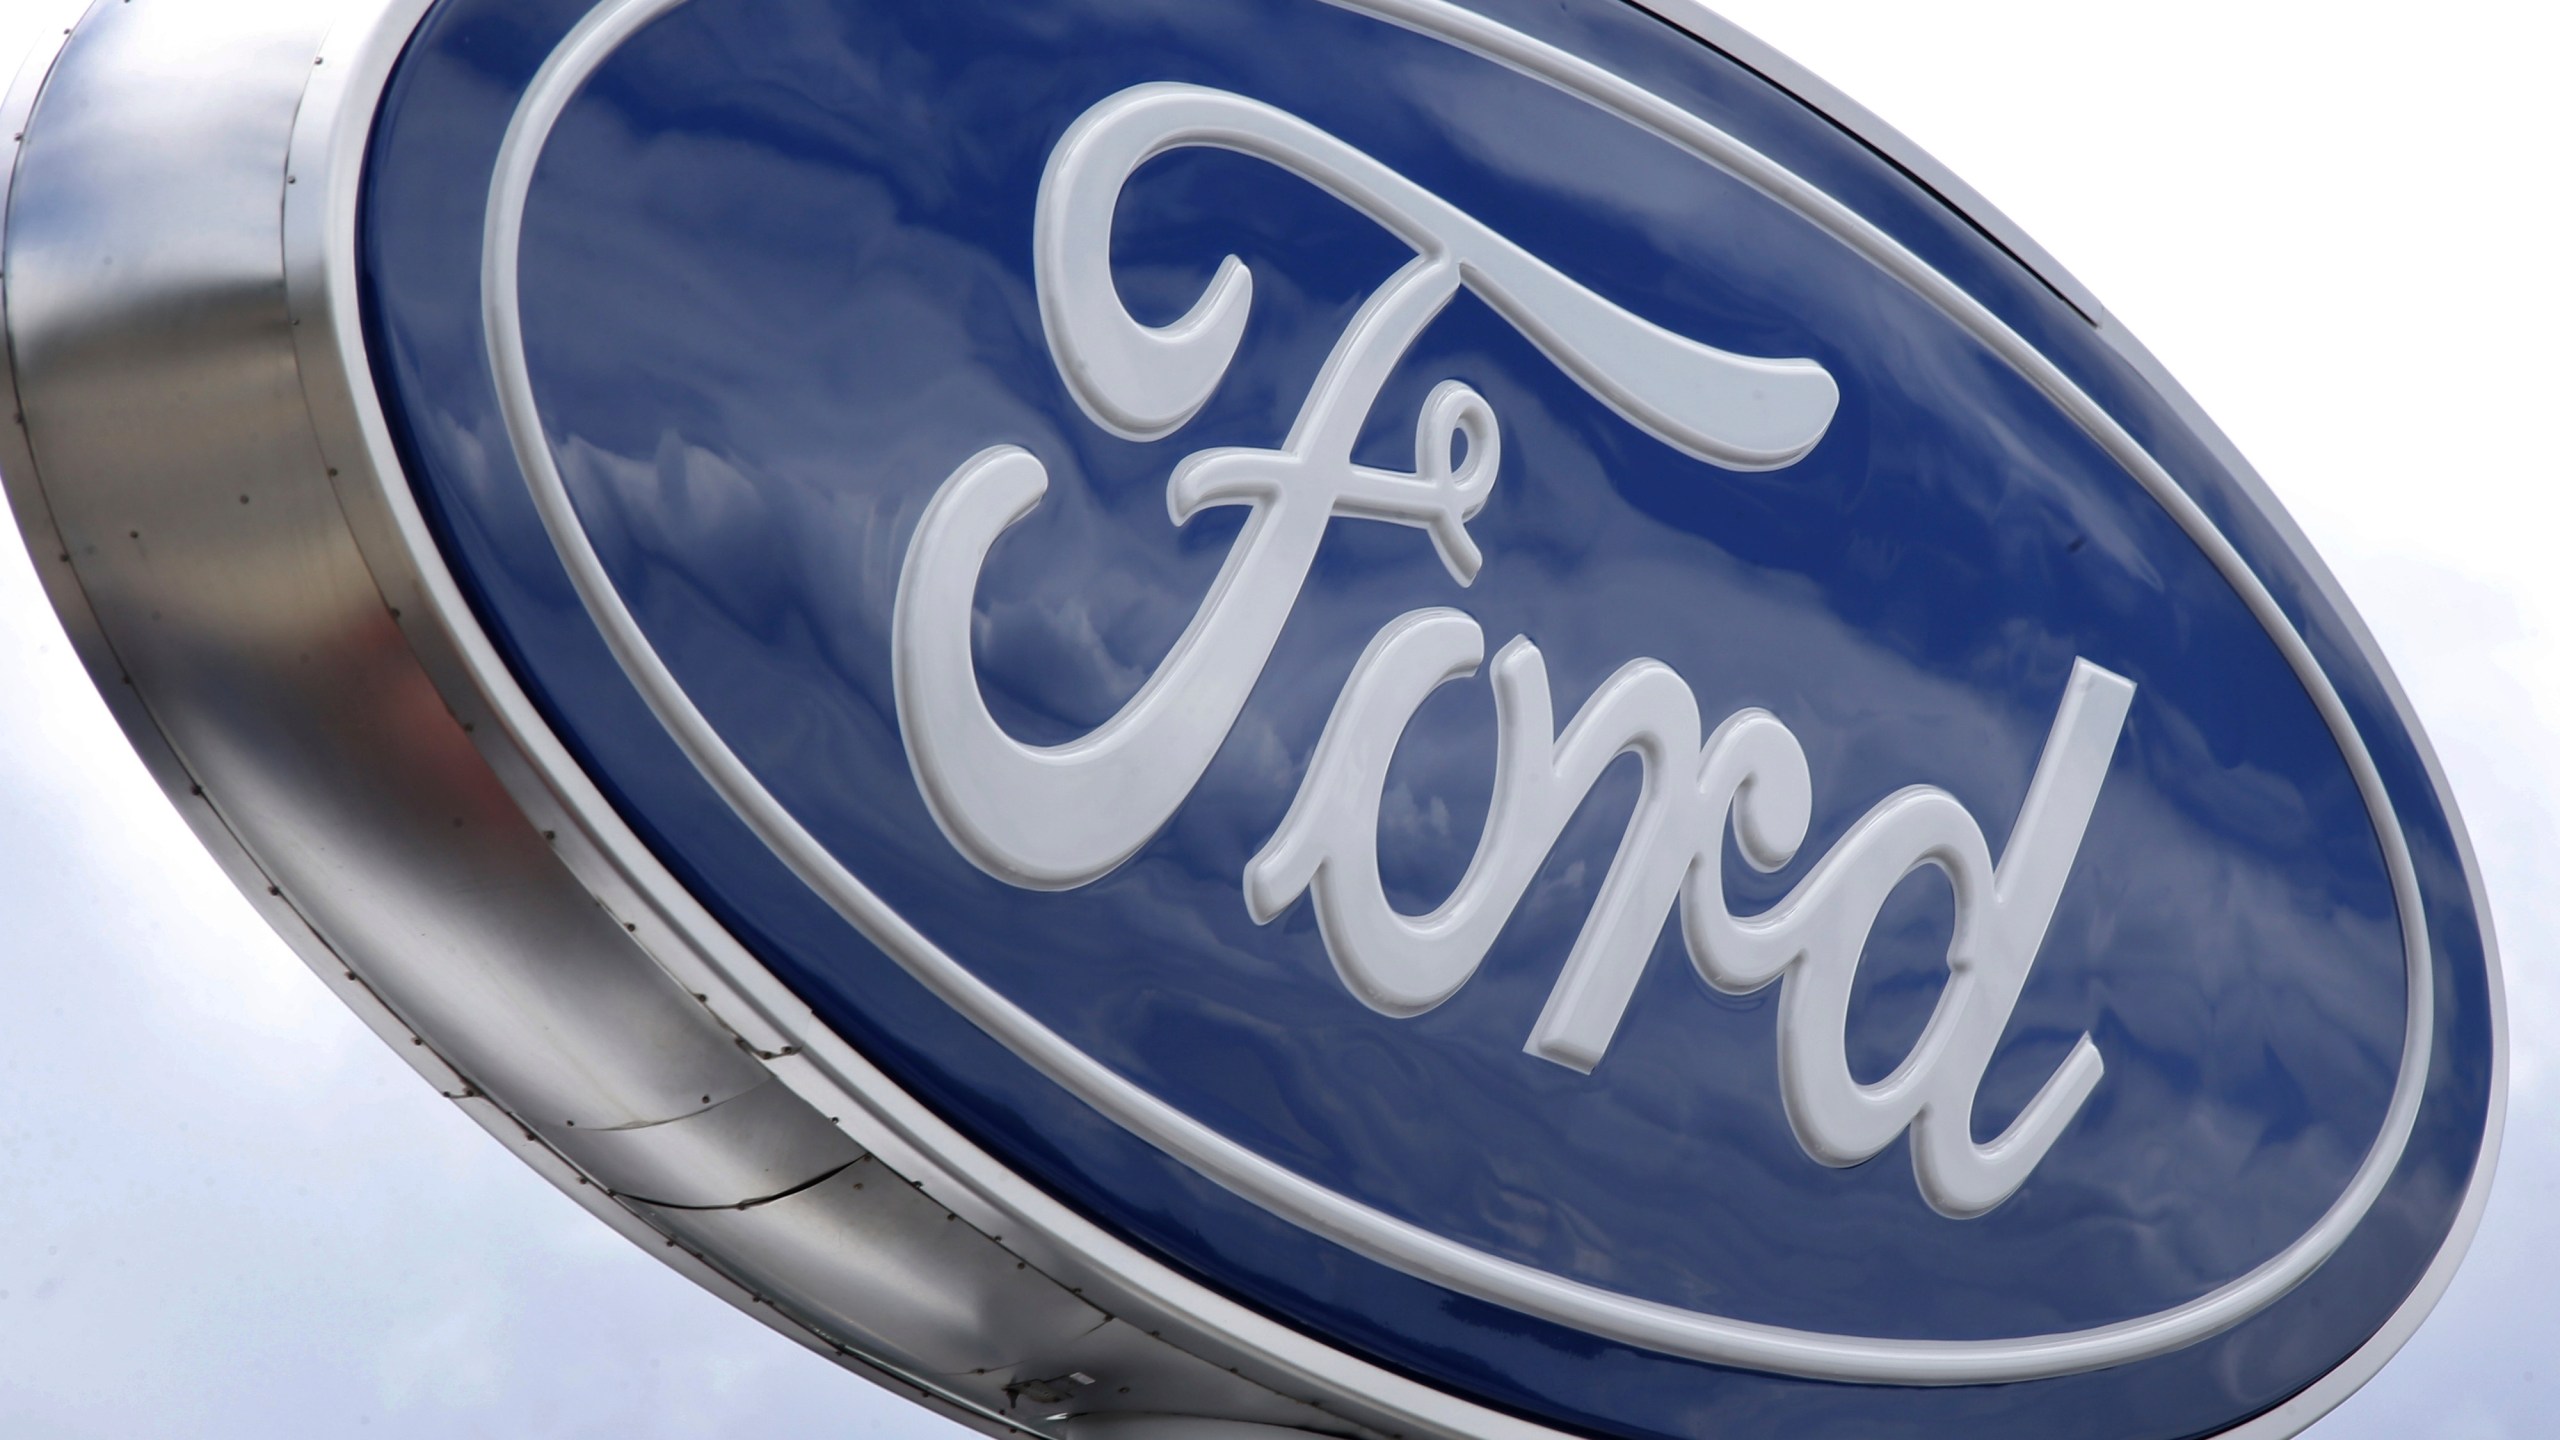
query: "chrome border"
804, 1241
2327, 1393
176, 328
1577, 1305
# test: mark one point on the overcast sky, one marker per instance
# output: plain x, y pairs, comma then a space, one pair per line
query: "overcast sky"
227, 1210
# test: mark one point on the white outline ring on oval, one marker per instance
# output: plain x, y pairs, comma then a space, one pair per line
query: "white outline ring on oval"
1399, 1244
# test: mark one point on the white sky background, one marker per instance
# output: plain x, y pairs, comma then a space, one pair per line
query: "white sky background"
227, 1210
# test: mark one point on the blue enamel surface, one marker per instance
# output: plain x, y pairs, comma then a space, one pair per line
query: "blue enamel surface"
777, 285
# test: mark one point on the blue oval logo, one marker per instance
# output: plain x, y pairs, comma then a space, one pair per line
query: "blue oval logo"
1463, 671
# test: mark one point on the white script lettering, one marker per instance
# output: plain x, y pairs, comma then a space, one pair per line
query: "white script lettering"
1057, 817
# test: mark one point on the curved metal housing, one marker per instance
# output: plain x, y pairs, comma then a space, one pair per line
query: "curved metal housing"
191, 512
204, 480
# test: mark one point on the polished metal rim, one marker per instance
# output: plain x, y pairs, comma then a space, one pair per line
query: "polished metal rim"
722, 1159
1590, 1309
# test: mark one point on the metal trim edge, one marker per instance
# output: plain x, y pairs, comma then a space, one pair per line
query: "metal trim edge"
1698, 19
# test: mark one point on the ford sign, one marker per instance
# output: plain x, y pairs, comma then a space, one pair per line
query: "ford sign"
1210, 717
